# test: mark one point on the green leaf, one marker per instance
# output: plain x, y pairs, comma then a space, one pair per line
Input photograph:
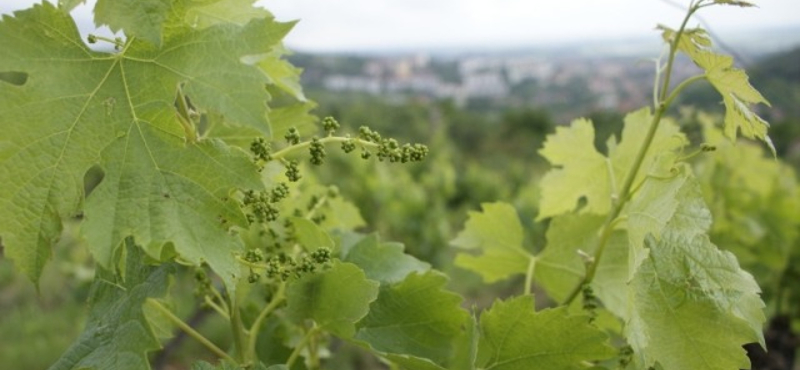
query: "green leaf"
227, 365
284, 75
582, 172
466, 346
224, 11
117, 334
297, 115
732, 83
277, 367
690, 305
560, 267
309, 235
495, 233
185, 205
68, 5
407, 362
384, 262
414, 318
137, 18
335, 299
739, 3
344, 215
657, 203
117, 112
515, 337
610, 283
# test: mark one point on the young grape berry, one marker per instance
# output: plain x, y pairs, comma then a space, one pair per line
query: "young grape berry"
330, 125
261, 149
292, 136
292, 172
317, 151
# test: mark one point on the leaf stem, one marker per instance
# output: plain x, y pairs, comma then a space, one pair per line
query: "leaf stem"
678, 89
218, 296
328, 139
237, 328
189, 330
529, 275
276, 300
299, 348
673, 47
320, 202
247, 263
216, 307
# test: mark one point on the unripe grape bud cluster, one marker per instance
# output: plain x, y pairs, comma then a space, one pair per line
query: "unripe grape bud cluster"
389, 149
284, 267
317, 151
202, 283
292, 170
370, 142
261, 205
261, 149
292, 136
330, 125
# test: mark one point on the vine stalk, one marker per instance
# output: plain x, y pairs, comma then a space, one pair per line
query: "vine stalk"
300, 346
529, 275
189, 330
619, 200
276, 300
237, 328
328, 139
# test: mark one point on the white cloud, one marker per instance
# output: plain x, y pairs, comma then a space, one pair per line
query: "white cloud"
365, 24
387, 24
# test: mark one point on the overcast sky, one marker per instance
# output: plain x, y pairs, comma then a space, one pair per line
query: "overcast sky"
362, 25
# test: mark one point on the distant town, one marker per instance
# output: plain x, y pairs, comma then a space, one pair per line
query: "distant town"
619, 78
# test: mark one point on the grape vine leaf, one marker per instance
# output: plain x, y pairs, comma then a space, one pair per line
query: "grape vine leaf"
309, 235
68, 5
414, 321
116, 111
610, 283
732, 83
384, 262
743, 4
466, 345
656, 204
286, 77
335, 299
209, 13
227, 365
117, 333
515, 337
582, 172
143, 19
496, 233
560, 267
692, 307
690, 304
571, 238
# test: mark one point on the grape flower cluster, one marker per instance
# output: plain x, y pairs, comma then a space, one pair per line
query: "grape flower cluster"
261, 205
370, 141
282, 266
